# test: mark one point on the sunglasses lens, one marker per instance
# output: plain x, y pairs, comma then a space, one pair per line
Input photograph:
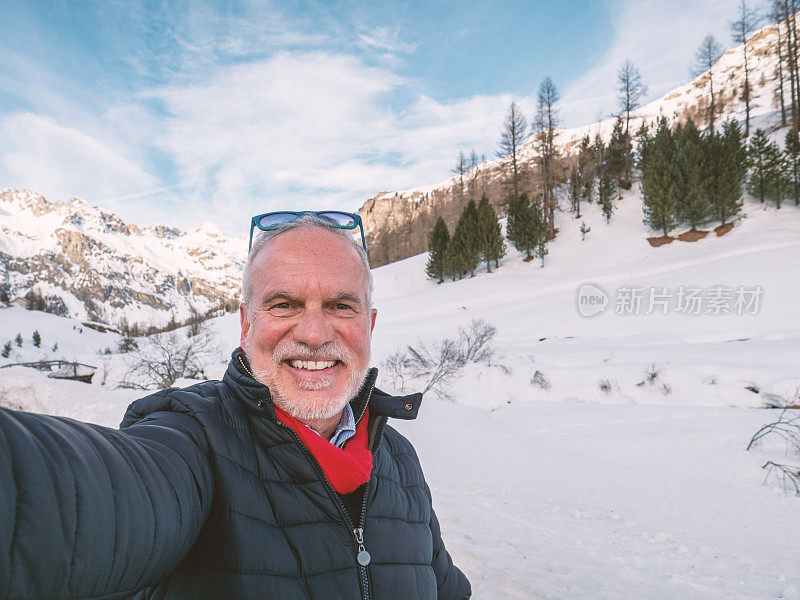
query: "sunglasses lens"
273, 219
341, 219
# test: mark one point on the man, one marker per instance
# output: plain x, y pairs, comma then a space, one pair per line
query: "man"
280, 481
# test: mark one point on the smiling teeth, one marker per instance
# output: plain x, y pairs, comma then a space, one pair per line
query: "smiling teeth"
311, 365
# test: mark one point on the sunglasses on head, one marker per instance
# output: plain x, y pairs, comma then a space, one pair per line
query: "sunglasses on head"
273, 220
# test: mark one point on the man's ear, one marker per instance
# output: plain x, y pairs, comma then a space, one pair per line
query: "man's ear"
373, 313
245, 325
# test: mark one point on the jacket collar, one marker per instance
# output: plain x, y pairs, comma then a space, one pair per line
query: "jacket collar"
256, 399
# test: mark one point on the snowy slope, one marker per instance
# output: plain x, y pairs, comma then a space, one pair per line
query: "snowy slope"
571, 492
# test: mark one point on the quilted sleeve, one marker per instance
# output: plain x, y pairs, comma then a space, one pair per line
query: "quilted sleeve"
88, 512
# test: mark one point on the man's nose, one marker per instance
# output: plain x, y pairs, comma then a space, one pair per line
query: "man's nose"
313, 328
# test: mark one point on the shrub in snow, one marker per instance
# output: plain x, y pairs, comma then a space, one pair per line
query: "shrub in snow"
434, 365
163, 358
651, 373
606, 385
787, 429
540, 380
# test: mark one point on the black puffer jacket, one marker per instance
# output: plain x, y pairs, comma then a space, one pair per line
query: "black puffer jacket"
202, 494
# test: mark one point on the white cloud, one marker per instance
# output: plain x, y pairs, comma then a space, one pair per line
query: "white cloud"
60, 162
661, 38
316, 129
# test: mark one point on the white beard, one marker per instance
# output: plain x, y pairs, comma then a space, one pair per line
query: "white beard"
321, 407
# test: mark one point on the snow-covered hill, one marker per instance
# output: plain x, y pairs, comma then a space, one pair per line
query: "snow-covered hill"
640, 491
88, 264
398, 221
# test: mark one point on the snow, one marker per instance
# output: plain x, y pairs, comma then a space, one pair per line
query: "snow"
572, 492
644, 490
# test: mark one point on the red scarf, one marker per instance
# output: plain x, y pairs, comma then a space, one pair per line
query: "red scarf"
346, 469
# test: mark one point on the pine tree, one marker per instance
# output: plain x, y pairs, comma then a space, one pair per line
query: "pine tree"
617, 156
691, 157
777, 181
6, 350
792, 152
18, 340
463, 252
758, 157
437, 250
643, 142
728, 159
490, 234
575, 191
586, 168
659, 174
54, 348
540, 228
37, 339
606, 190
584, 230
4, 297
522, 226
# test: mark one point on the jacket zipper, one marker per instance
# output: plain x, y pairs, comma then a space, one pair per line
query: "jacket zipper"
362, 556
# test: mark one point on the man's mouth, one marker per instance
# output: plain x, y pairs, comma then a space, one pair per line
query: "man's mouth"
312, 365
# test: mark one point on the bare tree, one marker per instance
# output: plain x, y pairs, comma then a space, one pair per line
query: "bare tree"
787, 429
789, 8
476, 341
161, 359
776, 16
630, 89
514, 134
741, 29
474, 168
709, 53
461, 168
545, 125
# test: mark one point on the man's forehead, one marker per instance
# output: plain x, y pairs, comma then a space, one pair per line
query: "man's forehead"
298, 263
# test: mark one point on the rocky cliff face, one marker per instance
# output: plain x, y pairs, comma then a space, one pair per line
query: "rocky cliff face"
87, 263
398, 222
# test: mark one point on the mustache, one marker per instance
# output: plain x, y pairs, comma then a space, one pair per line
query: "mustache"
328, 351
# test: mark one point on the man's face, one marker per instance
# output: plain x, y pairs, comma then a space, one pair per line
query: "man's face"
308, 331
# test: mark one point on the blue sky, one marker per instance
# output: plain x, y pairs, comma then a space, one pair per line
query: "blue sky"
186, 112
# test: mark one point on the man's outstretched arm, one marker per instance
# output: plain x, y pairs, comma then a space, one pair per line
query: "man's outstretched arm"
87, 511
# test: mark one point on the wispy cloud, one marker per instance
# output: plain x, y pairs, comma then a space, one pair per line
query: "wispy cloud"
60, 161
385, 39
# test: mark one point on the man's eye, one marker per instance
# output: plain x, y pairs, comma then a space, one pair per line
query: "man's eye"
342, 306
281, 306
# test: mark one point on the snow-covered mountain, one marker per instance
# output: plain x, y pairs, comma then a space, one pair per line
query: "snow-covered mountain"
88, 264
398, 222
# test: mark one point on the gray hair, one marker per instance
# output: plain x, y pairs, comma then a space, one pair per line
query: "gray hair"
304, 221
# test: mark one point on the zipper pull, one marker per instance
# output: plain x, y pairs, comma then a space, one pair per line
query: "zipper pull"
363, 557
